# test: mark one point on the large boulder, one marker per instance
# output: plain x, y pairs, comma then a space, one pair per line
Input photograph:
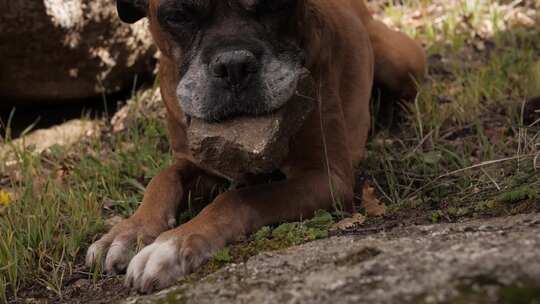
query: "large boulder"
482, 261
68, 49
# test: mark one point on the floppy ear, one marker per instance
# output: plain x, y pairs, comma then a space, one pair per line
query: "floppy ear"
131, 11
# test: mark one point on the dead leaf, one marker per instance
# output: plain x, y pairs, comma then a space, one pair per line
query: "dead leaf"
59, 176
370, 202
345, 224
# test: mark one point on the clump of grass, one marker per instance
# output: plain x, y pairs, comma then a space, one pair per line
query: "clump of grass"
463, 143
59, 197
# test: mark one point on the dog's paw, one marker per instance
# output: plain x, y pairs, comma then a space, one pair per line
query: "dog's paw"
116, 248
173, 255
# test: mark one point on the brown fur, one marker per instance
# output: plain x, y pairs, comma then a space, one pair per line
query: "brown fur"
348, 51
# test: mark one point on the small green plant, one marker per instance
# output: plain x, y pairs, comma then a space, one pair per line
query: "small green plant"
437, 216
263, 233
223, 256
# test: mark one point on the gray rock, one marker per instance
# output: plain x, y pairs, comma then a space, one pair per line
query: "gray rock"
66, 134
246, 146
447, 263
67, 49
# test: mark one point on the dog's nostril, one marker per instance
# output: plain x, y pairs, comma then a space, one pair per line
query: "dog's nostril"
251, 68
219, 70
234, 66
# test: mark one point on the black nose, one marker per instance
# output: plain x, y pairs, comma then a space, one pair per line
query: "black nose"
236, 67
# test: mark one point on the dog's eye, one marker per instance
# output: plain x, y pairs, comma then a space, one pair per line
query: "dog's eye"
179, 14
273, 6
176, 19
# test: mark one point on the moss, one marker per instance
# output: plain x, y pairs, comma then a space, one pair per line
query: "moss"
527, 294
436, 216
223, 256
479, 289
513, 294
263, 233
285, 235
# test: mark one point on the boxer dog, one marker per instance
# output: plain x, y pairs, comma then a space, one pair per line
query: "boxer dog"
217, 57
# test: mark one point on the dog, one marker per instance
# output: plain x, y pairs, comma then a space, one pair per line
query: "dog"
216, 57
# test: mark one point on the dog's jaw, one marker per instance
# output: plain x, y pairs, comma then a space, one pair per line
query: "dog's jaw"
275, 85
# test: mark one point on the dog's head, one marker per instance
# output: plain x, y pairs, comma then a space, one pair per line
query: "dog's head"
233, 57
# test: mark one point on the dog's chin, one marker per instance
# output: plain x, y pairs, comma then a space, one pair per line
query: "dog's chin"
225, 106
222, 106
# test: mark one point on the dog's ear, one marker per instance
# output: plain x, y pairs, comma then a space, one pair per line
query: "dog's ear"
131, 11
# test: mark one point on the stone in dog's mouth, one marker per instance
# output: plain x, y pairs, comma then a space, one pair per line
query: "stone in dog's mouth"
251, 145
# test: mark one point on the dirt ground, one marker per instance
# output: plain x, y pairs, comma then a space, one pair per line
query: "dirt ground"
396, 258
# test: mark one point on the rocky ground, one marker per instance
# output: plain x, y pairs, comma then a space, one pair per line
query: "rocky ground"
482, 261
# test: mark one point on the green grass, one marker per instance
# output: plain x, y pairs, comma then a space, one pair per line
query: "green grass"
462, 149
464, 143
59, 200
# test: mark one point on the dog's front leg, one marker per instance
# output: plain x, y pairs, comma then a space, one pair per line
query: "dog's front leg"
232, 216
165, 196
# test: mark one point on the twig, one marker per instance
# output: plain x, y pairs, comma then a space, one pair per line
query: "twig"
491, 179
485, 164
422, 141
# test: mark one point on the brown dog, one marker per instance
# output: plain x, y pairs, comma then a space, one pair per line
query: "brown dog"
216, 56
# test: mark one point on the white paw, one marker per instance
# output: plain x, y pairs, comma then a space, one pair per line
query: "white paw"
96, 252
161, 264
117, 247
